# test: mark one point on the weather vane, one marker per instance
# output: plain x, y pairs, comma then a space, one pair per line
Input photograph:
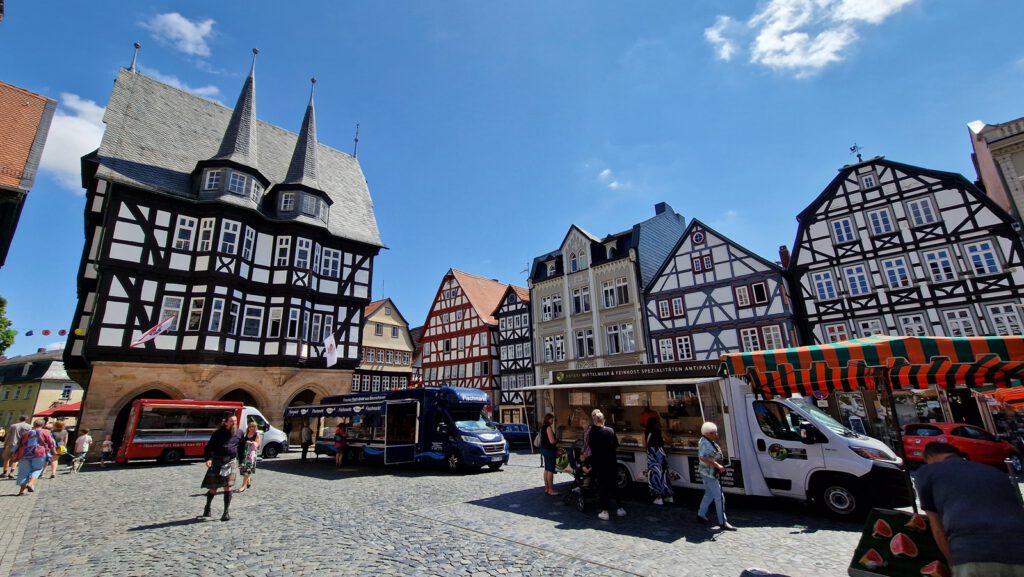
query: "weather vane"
856, 150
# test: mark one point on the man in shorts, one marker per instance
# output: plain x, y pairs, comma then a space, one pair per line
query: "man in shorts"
14, 433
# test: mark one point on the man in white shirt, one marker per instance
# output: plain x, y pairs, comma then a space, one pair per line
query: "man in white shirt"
82, 444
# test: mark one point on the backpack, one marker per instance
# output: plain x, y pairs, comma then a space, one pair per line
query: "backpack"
31, 443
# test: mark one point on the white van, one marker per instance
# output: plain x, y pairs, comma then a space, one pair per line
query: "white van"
779, 447
274, 441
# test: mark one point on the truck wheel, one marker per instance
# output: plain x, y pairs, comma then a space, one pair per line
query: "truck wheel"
622, 477
454, 462
271, 451
171, 456
840, 498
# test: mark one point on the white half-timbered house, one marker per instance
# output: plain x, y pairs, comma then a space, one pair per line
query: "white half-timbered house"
587, 296
890, 248
253, 243
712, 297
460, 335
515, 344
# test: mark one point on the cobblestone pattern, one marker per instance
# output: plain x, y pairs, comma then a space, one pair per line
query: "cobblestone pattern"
312, 518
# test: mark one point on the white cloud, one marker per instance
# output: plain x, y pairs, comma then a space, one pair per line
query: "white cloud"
57, 346
72, 136
209, 91
720, 36
606, 178
801, 36
184, 34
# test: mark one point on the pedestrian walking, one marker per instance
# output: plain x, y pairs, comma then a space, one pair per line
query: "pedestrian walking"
82, 444
603, 443
14, 433
340, 444
972, 511
306, 437
106, 451
711, 468
548, 446
34, 447
658, 482
248, 450
221, 454
60, 438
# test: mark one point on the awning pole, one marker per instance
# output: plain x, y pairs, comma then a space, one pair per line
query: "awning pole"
882, 381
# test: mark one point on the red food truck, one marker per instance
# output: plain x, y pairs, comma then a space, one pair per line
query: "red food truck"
169, 430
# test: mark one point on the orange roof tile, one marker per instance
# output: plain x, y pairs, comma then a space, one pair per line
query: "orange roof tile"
483, 293
21, 113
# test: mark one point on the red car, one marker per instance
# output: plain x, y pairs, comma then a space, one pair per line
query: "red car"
977, 443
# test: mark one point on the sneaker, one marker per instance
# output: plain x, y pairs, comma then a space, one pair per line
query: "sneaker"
659, 501
621, 512
603, 515
728, 527
668, 500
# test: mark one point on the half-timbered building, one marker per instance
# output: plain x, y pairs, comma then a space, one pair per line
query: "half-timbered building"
515, 348
460, 335
890, 248
713, 296
243, 244
587, 296
386, 364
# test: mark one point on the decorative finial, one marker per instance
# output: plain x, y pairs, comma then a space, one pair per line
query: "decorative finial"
856, 150
252, 69
355, 147
135, 56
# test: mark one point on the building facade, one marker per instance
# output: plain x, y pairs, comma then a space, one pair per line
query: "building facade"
25, 118
712, 297
33, 383
890, 248
999, 160
242, 244
460, 335
386, 363
586, 297
515, 348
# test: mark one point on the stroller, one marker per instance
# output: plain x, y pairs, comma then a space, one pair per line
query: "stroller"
583, 492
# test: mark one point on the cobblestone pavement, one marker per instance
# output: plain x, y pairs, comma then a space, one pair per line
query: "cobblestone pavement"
305, 519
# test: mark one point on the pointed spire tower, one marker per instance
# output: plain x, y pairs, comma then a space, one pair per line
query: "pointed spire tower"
303, 168
234, 169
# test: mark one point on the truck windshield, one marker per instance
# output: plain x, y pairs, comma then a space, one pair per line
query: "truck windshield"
823, 419
469, 419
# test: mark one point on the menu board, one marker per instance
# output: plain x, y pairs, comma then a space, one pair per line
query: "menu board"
897, 544
732, 477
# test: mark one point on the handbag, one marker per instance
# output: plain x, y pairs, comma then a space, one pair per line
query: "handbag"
536, 440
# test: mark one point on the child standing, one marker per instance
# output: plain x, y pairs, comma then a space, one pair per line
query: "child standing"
82, 444
107, 451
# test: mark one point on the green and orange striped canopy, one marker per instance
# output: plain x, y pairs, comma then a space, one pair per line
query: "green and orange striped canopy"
982, 363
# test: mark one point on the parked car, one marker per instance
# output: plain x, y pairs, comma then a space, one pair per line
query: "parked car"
516, 433
977, 443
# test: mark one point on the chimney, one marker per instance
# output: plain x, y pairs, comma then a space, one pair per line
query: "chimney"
784, 256
660, 207
41, 350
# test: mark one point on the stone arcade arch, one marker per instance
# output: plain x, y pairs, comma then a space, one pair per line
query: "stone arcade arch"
121, 421
242, 396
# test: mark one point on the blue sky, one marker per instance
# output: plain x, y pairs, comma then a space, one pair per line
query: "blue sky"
488, 128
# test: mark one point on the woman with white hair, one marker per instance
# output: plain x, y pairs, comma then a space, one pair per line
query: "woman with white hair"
603, 444
711, 469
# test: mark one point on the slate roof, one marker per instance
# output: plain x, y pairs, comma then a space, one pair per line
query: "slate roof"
240, 139
46, 366
303, 167
156, 134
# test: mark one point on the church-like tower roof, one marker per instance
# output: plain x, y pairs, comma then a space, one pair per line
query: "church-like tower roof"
304, 167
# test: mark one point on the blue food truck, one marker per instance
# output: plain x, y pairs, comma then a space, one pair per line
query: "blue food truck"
444, 424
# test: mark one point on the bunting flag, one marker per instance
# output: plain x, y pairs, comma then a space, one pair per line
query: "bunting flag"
160, 328
331, 350
28, 333
48, 332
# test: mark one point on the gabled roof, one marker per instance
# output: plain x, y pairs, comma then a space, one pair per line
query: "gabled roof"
156, 133
697, 223
522, 293
45, 366
375, 306
483, 293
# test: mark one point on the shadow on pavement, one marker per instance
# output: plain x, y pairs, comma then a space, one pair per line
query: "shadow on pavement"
166, 524
326, 470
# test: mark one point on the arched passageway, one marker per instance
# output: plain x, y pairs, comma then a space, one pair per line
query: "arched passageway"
121, 422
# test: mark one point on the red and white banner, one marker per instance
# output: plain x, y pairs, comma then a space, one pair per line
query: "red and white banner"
331, 350
161, 327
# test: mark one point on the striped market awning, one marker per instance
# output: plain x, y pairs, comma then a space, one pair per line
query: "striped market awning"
982, 363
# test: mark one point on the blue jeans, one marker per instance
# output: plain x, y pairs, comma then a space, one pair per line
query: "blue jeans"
30, 468
712, 492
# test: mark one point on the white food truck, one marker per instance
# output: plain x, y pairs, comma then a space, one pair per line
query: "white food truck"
774, 447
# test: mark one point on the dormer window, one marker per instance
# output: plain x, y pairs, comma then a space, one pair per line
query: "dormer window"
287, 201
551, 268
323, 211
236, 183
610, 251
309, 204
574, 263
213, 179
256, 192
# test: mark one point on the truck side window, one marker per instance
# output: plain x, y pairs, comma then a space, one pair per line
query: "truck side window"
775, 420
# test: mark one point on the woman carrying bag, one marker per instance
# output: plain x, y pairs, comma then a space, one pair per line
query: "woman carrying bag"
548, 444
711, 469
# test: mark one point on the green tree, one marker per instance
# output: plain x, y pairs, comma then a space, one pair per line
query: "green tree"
6, 332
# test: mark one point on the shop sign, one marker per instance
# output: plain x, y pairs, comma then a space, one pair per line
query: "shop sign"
732, 477
654, 372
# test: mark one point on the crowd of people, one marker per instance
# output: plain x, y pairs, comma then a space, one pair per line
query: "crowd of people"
32, 449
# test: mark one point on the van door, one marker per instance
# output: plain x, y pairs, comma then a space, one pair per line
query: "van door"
401, 431
784, 459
